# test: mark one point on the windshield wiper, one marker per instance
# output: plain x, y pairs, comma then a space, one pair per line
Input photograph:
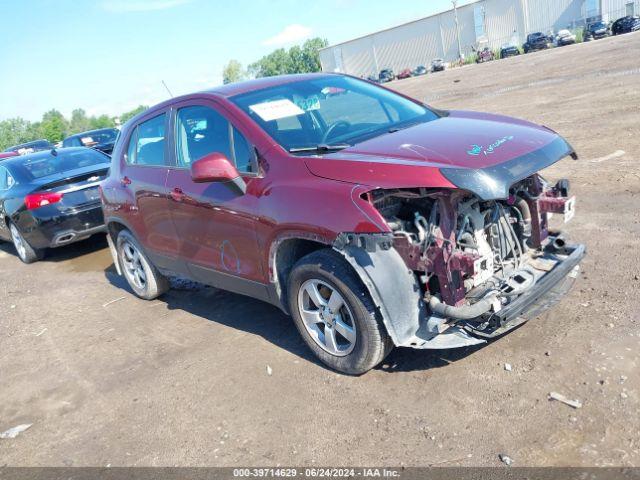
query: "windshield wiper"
402, 127
322, 147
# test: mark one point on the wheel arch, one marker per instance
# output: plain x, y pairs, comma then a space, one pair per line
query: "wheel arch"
284, 252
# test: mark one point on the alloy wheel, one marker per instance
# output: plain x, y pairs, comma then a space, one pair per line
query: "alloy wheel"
133, 267
327, 317
18, 241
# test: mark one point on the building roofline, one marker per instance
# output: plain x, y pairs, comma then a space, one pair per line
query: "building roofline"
396, 26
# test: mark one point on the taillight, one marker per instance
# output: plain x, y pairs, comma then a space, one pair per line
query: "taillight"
37, 200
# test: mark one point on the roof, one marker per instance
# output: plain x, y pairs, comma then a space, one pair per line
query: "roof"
238, 88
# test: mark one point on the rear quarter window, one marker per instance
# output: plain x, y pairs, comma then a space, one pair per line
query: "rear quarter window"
147, 142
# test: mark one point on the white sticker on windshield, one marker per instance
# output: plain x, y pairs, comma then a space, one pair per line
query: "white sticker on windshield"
277, 109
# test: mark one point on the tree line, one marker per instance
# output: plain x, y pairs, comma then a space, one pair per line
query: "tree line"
55, 127
303, 58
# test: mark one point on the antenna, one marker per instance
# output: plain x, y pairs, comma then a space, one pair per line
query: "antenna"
165, 86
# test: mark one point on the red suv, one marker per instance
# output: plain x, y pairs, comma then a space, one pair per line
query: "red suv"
373, 219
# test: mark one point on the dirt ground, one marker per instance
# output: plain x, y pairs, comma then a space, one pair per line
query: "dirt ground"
107, 379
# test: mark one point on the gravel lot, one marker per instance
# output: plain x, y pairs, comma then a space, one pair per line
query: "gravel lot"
106, 378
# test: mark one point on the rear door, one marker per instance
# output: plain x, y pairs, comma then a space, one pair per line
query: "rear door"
215, 223
144, 171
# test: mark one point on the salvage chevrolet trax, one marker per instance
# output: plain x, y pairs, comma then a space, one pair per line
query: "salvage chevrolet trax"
372, 219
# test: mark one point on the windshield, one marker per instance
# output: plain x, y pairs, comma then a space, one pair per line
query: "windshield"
597, 26
329, 110
43, 165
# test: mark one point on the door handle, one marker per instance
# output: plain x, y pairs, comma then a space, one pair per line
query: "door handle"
177, 194
125, 181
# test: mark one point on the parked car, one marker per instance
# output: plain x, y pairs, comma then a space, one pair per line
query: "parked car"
316, 205
626, 24
508, 50
536, 41
386, 75
564, 37
101, 139
484, 55
596, 30
437, 65
420, 70
406, 73
373, 78
50, 198
4, 155
30, 147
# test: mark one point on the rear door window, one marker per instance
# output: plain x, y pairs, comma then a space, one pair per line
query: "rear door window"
147, 142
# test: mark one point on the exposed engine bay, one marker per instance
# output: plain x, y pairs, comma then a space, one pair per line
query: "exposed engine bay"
473, 258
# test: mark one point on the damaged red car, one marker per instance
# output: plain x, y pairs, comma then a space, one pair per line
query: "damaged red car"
372, 219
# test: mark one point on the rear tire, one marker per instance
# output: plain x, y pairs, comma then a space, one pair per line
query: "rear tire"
25, 252
142, 276
350, 338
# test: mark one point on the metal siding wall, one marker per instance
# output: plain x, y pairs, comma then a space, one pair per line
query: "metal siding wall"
504, 20
408, 46
357, 57
557, 14
327, 60
417, 43
614, 9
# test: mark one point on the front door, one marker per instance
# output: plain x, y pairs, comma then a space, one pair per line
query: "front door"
215, 222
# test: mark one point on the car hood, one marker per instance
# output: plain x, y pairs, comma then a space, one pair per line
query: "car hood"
480, 152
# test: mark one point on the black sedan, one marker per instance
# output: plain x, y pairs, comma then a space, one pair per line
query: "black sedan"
626, 25
49, 199
102, 139
596, 30
509, 50
536, 41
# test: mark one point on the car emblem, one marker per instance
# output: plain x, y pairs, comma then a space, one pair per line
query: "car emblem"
93, 179
478, 149
475, 150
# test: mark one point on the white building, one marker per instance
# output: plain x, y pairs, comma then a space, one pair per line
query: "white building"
490, 23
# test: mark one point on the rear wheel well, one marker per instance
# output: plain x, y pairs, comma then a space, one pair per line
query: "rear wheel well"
114, 228
287, 254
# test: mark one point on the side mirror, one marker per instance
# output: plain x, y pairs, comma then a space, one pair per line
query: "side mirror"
215, 167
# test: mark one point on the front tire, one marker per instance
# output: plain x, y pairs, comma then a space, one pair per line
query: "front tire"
142, 276
335, 315
26, 252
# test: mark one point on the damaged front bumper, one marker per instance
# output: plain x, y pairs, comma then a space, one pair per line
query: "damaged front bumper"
440, 333
409, 323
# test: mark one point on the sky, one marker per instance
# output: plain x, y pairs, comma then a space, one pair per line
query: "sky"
109, 56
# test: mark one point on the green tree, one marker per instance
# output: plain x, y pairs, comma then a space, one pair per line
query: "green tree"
232, 72
125, 117
298, 59
311, 54
79, 121
103, 121
54, 126
14, 131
